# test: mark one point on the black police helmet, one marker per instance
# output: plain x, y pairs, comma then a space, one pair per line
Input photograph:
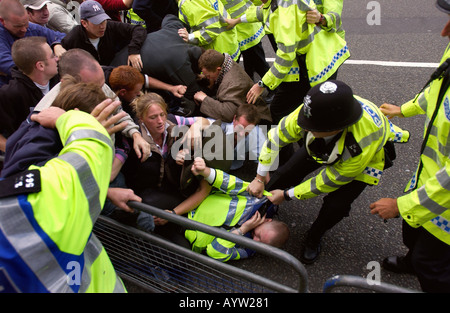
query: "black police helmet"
329, 106
443, 5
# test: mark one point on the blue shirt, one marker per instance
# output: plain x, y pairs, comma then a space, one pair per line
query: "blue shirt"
7, 40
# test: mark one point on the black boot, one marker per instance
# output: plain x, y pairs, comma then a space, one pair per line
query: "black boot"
398, 264
311, 250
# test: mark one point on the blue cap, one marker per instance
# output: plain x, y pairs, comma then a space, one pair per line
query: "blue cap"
93, 12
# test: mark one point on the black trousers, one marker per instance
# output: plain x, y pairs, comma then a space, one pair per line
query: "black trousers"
429, 257
289, 95
336, 205
255, 61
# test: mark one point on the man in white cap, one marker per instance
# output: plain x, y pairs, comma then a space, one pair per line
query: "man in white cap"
104, 39
37, 11
52, 14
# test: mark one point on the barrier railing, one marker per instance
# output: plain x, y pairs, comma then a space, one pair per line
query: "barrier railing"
159, 265
362, 283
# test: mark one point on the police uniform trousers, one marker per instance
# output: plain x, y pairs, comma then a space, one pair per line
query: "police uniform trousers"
289, 95
336, 205
429, 258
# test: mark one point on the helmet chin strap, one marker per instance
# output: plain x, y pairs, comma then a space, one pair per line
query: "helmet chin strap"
330, 158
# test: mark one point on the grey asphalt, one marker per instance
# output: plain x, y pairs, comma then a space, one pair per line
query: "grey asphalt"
409, 32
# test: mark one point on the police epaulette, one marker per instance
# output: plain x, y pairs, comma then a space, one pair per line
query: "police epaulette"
21, 183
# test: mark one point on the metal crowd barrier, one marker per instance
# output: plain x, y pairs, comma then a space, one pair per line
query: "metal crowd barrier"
360, 282
158, 265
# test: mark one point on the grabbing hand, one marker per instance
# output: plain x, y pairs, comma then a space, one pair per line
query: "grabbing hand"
254, 93
391, 110
103, 113
48, 117
386, 208
183, 33
135, 61
277, 196
256, 187
199, 167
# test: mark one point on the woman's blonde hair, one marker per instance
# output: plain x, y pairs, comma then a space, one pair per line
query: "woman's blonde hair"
141, 104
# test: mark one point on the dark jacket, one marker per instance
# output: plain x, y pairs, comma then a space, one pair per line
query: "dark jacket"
117, 36
158, 172
153, 11
30, 144
7, 40
167, 57
16, 99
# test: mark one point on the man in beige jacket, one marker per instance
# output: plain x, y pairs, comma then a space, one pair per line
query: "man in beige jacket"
230, 84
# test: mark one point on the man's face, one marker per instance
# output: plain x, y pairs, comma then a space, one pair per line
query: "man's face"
241, 128
50, 63
17, 25
39, 16
97, 76
94, 31
211, 75
130, 95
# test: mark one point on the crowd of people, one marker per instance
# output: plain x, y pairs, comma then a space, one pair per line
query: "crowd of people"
106, 102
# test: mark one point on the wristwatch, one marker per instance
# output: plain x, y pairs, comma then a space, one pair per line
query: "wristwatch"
261, 84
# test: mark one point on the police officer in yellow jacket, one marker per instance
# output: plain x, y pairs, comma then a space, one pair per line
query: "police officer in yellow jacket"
344, 133
47, 213
249, 36
328, 16
425, 208
206, 21
306, 55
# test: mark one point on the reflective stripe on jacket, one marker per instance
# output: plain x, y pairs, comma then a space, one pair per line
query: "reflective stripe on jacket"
227, 206
325, 51
428, 202
371, 133
206, 18
46, 237
248, 34
332, 12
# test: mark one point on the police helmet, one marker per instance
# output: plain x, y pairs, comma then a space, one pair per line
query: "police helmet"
443, 5
329, 106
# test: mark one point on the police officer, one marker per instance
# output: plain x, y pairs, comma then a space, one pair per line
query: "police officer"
205, 20
425, 208
342, 132
47, 213
302, 61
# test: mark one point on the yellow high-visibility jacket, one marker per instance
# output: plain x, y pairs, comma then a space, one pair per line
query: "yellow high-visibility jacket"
206, 19
371, 132
46, 238
324, 51
428, 202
